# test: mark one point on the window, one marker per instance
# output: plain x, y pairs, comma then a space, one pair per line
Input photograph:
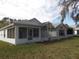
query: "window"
35, 32
23, 32
11, 33
61, 33
4, 33
30, 33
70, 31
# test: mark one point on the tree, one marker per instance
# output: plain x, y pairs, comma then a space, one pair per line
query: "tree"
4, 22
66, 4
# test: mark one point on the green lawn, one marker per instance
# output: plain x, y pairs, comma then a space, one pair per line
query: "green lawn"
63, 49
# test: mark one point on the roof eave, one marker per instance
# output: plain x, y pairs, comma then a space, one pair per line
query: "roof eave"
7, 26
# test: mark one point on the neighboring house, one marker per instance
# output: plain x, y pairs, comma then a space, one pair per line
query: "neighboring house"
27, 31
61, 31
64, 30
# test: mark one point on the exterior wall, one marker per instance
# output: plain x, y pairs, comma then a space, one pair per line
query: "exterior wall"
12, 41
2, 34
5, 39
44, 35
53, 33
22, 41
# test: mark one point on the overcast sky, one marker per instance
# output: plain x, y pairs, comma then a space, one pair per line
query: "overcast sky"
43, 10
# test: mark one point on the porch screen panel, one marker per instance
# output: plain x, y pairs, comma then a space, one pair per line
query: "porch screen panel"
23, 32
11, 33
35, 32
4, 33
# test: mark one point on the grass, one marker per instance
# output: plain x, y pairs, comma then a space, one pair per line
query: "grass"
63, 49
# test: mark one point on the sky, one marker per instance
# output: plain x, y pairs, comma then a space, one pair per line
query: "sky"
43, 10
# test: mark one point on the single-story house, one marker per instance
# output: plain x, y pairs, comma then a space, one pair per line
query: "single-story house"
21, 31
27, 31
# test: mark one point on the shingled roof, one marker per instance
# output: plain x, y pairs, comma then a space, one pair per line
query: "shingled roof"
33, 21
65, 25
